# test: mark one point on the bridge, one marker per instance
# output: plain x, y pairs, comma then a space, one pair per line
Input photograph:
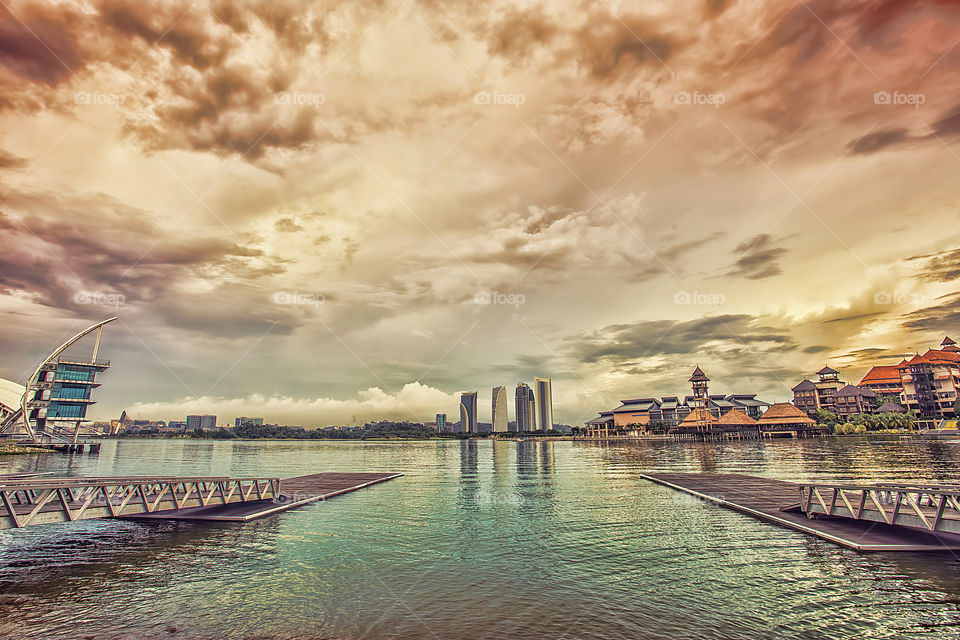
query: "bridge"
27, 499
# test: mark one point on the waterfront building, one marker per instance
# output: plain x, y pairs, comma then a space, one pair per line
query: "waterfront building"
671, 412
853, 399
499, 418
810, 396
204, 422
785, 419
525, 408
441, 422
52, 406
468, 412
884, 380
891, 407
544, 406
931, 382
242, 420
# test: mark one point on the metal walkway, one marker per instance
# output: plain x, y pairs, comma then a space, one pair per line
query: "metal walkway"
30, 500
33, 501
931, 507
784, 503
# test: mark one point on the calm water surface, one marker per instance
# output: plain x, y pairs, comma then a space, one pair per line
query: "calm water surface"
479, 540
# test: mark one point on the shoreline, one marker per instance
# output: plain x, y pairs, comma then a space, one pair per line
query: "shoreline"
14, 450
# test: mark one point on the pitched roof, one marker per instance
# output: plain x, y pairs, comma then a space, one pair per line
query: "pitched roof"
853, 390
826, 369
882, 374
942, 356
917, 359
697, 416
891, 407
735, 417
947, 341
698, 376
784, 413
804, 385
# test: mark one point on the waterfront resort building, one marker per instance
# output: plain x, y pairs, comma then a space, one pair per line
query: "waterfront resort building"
853, 399
931, 382
499, 410
52, 406
544, 403
785, 419
526, 408
810, 396
242, 420
468, 412
204, 422
441, 422
636, 416
884, 380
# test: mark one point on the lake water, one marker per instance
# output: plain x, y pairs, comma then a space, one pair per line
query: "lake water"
480, 539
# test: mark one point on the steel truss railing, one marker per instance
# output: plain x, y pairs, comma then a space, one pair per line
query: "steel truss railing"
933, 507
33, 501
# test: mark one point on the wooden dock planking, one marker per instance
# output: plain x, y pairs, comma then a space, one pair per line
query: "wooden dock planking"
294, 492
766, 499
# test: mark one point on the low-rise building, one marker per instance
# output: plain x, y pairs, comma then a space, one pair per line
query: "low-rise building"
809, 396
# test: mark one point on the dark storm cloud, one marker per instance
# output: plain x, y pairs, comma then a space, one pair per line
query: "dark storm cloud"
628, 342
59, 248
608, 45
817, 348
519, 31
9, 161
942, 318
37, 43
758, 258
880, 140
939, 267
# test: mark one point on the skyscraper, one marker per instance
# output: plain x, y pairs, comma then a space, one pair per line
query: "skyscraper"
499, 410
468, 412
526, 416
544, 403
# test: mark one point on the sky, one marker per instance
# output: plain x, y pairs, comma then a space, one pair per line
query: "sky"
323, 213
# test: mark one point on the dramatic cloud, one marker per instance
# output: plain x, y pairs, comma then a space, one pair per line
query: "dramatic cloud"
289, 200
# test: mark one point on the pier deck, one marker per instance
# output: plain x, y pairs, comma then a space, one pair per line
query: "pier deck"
294, 492
778, 502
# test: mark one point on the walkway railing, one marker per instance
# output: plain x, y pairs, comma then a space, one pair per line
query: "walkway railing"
932, 507
45, 500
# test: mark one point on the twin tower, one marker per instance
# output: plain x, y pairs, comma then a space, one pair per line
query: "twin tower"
534, 408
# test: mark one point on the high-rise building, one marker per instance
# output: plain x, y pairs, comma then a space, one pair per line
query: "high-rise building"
526, 405
544, 399
499, 410
201, 422
441, 422
468, 412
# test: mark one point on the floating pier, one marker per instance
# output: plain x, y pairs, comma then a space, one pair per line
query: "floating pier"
783, 504
30, 500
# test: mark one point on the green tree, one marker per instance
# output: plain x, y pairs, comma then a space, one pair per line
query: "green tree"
827, 418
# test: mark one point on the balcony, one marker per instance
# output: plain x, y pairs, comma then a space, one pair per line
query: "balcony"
100, 364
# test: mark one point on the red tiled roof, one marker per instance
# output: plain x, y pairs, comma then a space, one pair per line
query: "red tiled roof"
882, 374
942, 356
